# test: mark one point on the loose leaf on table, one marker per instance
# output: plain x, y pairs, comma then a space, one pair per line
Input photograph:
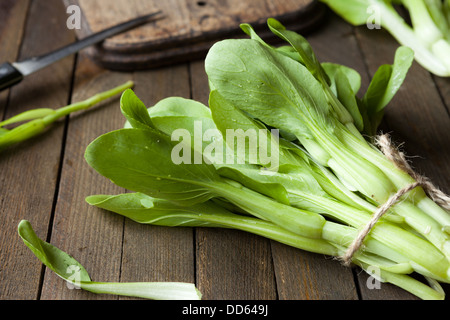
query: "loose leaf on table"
74, 273
41, 119
28, 115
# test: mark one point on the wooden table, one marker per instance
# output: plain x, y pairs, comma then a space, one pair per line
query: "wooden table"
45, 180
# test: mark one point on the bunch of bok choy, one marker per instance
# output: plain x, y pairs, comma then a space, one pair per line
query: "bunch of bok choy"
285, 150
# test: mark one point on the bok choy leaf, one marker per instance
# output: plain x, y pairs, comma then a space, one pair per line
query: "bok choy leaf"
67, 268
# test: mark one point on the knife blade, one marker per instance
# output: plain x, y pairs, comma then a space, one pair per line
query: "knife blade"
13, 73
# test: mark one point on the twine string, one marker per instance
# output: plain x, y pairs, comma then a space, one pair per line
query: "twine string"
398, 158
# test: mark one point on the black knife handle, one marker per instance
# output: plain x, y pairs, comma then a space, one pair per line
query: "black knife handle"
9, 76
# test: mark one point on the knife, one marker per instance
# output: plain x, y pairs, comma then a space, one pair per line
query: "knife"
13, 73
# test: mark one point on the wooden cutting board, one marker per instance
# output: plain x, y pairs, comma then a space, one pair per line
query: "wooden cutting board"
188, 30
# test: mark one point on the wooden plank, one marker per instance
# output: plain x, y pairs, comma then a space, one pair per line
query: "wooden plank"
92, 236
416, 117
29, 171
188, 30
234, 265
152, 253
230, 264
443, 85
12, 23
308, 276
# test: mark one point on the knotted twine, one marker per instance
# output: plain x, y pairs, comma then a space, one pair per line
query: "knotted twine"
398, 158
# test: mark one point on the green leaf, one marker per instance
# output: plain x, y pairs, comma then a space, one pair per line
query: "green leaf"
385, 84
73, 272
148, 210
345, 107
179, 107
143, 161
302, 46
353, 76
388, 80
250, 140
135, 110
267, 85
175, 113
248, 29
345, 83
289, 180
286, 50
291, 53
375, 94
228, 117
246, 176
55, 259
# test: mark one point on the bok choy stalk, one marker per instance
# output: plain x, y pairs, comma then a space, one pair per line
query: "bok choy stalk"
328, 179
37, 121
147, 210
76, 275
429, 32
